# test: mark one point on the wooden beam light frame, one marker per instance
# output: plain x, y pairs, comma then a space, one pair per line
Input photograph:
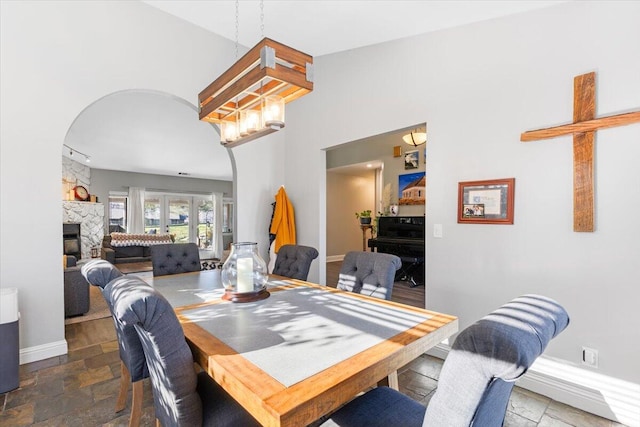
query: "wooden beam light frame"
269, 68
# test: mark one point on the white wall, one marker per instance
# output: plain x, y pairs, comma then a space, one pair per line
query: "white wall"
346, 195
104, 181
380, 148
479, 87
261, 178
56, 59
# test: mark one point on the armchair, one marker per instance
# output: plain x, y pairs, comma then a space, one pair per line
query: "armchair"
76, 289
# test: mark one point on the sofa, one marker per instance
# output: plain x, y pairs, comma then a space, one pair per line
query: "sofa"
120, 248
76, 288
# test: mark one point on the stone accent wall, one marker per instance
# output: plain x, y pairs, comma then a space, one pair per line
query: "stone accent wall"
74, 173
90, 216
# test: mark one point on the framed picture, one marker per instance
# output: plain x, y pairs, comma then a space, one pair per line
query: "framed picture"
411, 159
486, 202
411, 188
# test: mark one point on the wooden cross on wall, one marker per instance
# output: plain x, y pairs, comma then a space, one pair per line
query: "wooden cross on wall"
583, 128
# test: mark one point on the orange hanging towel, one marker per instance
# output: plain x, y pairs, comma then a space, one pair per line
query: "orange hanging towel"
283, 224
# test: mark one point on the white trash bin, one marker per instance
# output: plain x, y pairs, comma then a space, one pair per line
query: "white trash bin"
9, 337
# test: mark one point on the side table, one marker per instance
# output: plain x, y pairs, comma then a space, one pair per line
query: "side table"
364, 228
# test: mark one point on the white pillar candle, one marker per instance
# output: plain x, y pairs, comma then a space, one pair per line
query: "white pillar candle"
245, 275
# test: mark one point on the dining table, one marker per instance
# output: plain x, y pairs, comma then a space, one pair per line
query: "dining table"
304, 351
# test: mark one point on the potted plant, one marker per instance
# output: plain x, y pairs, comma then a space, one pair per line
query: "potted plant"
364, 217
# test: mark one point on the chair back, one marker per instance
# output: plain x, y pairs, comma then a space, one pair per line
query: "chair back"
369, 273
103, 274
294, 261
175, 258
99, 272
488, 357
173, 377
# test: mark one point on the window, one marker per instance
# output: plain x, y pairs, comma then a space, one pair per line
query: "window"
152, 215
227, 216
189, 218
117, 213
178, 209
205, 222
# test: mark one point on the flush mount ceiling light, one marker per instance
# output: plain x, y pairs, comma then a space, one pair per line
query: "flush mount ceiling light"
247, 101
415, 138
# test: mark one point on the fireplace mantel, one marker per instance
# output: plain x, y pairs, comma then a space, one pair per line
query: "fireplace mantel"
90, 216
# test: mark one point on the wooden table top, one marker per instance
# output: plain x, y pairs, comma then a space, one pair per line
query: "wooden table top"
305, 350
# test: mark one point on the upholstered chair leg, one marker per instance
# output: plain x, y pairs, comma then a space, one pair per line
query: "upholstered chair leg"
136, 404
125, 379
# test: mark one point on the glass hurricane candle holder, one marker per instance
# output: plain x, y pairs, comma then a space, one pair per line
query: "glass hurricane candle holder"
253, 120
242, 123
273, 112
244, 274
228, 132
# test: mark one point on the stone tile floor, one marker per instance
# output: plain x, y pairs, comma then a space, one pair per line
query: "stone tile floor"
80, 388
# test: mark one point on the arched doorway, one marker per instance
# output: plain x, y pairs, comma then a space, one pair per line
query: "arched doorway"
156, 136
149, 131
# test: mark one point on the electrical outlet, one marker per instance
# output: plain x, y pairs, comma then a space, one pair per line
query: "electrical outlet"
437, 231
590, 357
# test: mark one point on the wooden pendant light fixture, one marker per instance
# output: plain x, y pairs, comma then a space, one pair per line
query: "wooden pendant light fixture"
247, 100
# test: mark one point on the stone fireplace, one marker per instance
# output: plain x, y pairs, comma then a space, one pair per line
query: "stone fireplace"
90, 218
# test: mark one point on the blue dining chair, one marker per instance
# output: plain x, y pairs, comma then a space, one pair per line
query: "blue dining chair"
181, 397
133, 367
175, 258
369, 273
294, 261
477, 377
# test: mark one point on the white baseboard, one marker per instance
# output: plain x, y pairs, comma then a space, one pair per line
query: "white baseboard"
334, 258
44, 351
581, 388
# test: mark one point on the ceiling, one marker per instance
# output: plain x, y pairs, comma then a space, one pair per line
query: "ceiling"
144, 131
358, 169
148, 132
321, 27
